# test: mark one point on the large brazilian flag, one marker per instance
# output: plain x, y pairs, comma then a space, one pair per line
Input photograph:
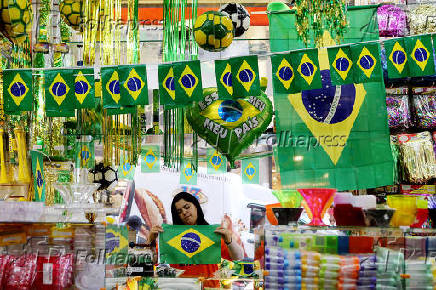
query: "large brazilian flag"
336, 136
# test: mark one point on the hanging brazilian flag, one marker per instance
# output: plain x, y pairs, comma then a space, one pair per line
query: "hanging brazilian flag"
341, 65
224, 80
110, 84
250, 171
38, 175
397, 58
283, 74
133, 84
307, 65
189, 87
188, 175
66, 113
85, 157
17, 90
191, 245
420, 53
368, 65
84, 88
216, 163
150, 159
126, 170
59, 90
180, 83
245, 76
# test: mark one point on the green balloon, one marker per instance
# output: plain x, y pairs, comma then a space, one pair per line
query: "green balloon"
230, 126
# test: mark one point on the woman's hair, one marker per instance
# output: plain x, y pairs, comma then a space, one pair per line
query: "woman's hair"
189, 198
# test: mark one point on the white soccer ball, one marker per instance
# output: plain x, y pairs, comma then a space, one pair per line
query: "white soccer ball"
239, 16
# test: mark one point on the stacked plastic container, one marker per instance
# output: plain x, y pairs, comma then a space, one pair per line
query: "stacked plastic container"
310, 267
420, 276
389, 268
283, 267
367, 272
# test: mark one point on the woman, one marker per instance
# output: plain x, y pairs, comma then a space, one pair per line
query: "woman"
186, 210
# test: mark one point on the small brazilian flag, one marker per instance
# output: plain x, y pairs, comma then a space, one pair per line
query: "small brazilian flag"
397, 58
110, 85
341, 65
17, 90
188, 175
150, 159
59, 90
126, 170
38, 175
66, 113
180, 83
245, 76
84, 88
250, 171
133, 84
85, 157
189, 87
308, 70
420, 53
283, 74
224, 81
191, 245
216, 163
367, 62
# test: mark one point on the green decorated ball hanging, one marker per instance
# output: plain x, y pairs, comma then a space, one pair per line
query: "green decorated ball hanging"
71, 12
213, 31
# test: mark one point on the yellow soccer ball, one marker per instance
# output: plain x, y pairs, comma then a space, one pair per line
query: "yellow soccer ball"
16, 19
213, 31
71, 12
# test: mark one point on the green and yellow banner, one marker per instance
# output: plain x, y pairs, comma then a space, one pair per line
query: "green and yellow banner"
189, 245
17, 90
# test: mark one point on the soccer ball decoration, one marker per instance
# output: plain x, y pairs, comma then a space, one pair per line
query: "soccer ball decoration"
16, 19
71, 12
213, 31
239, 16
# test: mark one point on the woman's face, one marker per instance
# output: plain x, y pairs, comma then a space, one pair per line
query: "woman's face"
187, 212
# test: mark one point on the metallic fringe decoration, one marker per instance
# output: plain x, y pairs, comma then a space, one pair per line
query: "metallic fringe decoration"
319, 16
418, 159
175, 47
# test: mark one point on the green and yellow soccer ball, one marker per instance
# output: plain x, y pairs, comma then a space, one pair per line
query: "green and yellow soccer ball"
213, 31
71, 12
16, 19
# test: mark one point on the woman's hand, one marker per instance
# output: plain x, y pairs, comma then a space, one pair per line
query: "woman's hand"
225, 233
154, 232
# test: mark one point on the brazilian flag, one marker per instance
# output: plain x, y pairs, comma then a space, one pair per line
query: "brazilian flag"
167, 86
180, 244
38, 175
17, 90
188, 174
59, 91
150, 158
110, 85
397, 58
420, 53
341, 65
85, 157
133, 84
308, 70
126, 169
368, 67
84, 88
216, 162
250, 171
283, 73
224, 80
245, 76
189, 87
